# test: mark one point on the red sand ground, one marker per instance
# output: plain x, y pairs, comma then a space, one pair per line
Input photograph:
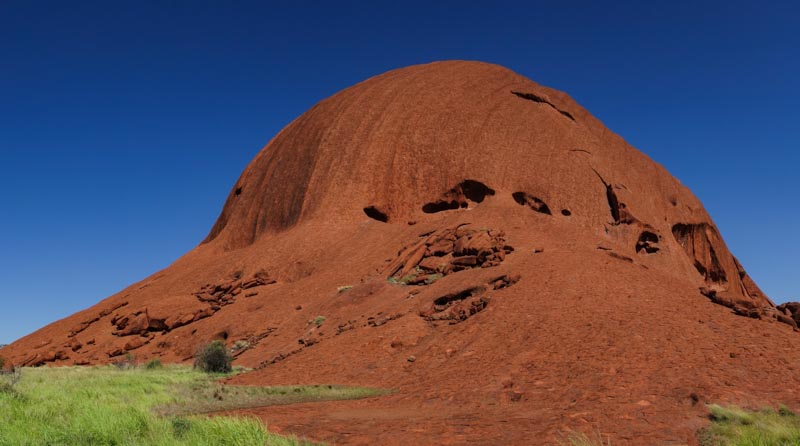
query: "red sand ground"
517, 270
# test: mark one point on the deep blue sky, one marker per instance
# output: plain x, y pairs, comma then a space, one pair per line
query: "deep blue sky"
123, 125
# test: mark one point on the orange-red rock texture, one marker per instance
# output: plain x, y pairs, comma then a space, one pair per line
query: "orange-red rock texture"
481, 244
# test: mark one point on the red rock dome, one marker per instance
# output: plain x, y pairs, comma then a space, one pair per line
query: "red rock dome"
448, 135
536, 267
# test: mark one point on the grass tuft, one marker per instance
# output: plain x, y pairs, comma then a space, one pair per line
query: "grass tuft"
405, 279
733, 426
433, 278
154, 364
581, 439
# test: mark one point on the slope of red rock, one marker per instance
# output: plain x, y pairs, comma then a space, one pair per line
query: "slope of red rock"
481, 244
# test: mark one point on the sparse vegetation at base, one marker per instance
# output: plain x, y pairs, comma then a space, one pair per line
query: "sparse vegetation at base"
433, 278
125, 362
214, 358
153, 364
405, 279
579, 439
8, 382
732, 426
133, 407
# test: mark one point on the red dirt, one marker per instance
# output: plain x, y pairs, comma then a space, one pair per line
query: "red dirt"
517, 271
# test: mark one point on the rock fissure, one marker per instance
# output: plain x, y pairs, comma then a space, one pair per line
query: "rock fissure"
541, 100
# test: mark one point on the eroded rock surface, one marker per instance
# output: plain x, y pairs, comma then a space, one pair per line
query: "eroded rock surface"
447, 251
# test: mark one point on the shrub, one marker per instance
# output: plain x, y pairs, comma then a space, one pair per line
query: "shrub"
2, 363
127, 362
319, 320
153, 364
8, 381
213, 358
180, 427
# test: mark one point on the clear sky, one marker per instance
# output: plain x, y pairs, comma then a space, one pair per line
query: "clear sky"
123, 125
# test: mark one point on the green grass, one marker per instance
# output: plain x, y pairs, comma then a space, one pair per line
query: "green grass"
732, 426
108, 406
433, 278
405, 279
154, 364
579, 439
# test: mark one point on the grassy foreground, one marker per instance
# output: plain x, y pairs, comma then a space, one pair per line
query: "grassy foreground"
109, 406
732, 426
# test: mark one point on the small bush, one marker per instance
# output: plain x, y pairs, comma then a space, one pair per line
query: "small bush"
9, 380
153, 364
2, 363
319, 320
127, 362
7, 389
180, 427
213, 358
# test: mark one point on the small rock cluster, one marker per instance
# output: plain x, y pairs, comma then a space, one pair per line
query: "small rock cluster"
458, 307
42, 358
85, 324
446, 251
453, 309
216, 295
791, 311
221, 294
788, 313
73, 344
140, 326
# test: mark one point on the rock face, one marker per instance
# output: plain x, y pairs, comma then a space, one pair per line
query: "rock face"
535, 266
790, 310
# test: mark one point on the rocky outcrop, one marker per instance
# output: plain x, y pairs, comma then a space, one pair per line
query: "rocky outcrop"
790, 310
447, 251
453, 308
